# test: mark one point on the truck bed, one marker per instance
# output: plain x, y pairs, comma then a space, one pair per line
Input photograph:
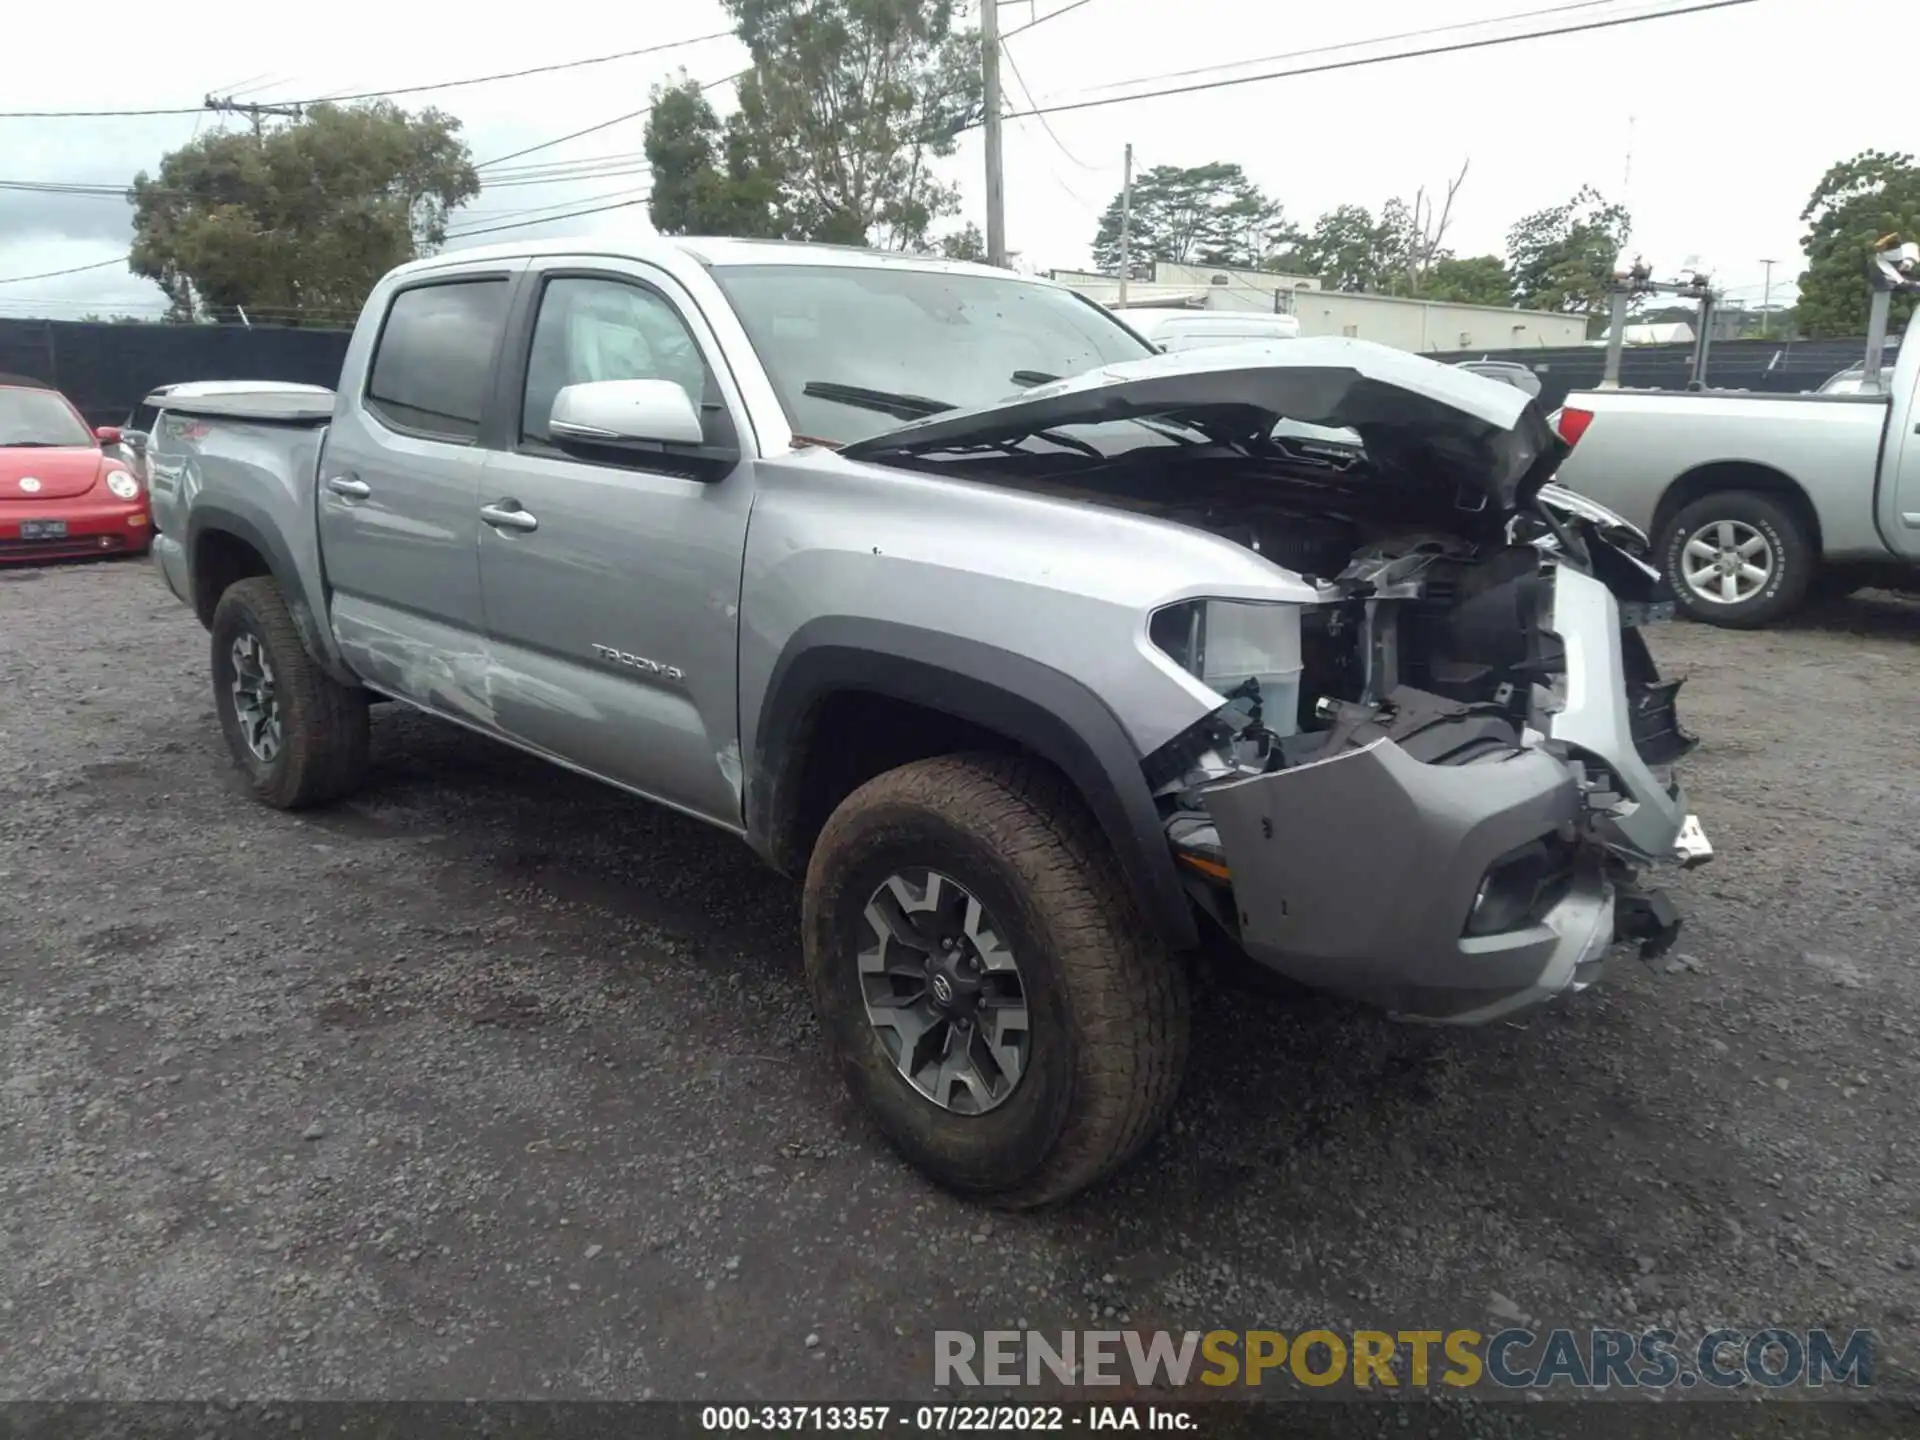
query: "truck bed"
272, 406
1772, 397
1641, 442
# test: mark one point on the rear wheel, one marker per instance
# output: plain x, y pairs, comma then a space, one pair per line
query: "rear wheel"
1738, 558
299, 736
986, 982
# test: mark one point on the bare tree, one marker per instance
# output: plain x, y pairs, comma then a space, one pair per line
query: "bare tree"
1426, 228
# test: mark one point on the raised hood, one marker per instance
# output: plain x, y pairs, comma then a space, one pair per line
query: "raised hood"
1460, 429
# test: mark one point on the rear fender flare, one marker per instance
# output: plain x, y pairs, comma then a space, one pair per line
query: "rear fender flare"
1039, 708
221, 517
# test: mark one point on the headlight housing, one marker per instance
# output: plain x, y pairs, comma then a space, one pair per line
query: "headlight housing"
1224, 644
123, 484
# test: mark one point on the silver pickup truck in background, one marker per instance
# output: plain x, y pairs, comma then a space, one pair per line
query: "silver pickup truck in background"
1042, 658
1753, 502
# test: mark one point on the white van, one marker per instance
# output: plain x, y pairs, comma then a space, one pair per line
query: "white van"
1173, 329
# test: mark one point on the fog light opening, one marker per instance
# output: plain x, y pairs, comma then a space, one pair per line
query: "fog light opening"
1517, 889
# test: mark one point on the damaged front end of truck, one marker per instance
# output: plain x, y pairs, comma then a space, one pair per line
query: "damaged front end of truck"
1466, 823
1444, 785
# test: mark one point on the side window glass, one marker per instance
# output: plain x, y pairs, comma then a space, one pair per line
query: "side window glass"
592, 329
434, 359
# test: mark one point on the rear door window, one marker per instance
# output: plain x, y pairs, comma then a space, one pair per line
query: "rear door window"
433, 365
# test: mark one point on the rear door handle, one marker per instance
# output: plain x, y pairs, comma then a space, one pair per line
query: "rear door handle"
349, 487
507, 515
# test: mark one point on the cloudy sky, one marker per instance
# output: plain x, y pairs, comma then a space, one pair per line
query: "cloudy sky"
1729, 116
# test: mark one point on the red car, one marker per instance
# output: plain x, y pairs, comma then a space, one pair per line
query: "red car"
61, 495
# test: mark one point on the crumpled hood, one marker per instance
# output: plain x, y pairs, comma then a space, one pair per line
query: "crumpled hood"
1462, 429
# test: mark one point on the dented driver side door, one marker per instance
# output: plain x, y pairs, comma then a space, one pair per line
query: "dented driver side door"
611, 585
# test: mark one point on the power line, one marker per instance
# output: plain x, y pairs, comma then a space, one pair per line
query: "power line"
591, 168
381, 94
603, 125
1043, 19
529, 71
558, 205
70, 270
1355, 44
575, 135
550, 219
1045, 124
1463, 45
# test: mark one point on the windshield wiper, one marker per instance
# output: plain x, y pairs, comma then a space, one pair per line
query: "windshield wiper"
887, 402
1032, 377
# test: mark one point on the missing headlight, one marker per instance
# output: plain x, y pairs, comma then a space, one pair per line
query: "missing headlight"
1239, 649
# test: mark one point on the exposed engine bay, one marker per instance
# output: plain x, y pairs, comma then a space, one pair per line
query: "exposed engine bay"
1435, 631
1433, 774
1443, 642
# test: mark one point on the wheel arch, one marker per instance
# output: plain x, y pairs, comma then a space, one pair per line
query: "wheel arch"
933, 693
225, 544
1726, 475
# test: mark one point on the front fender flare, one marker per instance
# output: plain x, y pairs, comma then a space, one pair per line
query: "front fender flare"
1047, 712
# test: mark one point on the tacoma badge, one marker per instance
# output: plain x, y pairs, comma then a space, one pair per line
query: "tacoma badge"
640, 662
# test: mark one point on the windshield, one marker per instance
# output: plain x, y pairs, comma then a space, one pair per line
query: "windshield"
857, 350
39, 417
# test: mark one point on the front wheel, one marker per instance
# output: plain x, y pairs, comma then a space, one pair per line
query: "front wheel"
1738, 558
986, 982
299, 736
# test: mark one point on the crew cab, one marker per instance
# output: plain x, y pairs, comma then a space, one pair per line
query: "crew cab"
1043, 659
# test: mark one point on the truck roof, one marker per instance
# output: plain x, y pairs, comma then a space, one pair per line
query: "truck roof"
713, 252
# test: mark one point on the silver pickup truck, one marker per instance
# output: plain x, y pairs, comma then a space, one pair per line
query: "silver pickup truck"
1036, 654
1754, 502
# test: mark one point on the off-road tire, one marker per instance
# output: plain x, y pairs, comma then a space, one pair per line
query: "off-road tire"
1796, 559
1109, 1006
323, 753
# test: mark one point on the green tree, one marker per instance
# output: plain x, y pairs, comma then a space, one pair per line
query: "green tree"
966, 243
301, 221
1563, 257
705, 178
1858, 201
1193, 215
1468, 280
847, 106
1348, 249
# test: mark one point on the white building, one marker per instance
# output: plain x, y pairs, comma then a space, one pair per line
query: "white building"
1417, 325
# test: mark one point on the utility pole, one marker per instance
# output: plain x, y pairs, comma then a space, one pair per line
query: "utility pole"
1126, 224
996, 190
1766, 300
255, 113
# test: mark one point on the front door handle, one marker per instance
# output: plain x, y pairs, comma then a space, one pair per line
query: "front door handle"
349, 487
507, 515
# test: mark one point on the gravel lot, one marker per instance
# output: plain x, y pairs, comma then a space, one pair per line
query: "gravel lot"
496, 1083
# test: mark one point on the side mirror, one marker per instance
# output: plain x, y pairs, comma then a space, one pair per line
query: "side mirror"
625, 413
107, 434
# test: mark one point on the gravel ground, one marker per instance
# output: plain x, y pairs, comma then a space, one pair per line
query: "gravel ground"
496, 1083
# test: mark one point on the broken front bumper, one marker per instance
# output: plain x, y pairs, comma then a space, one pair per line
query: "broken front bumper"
1363, 874
1463, 893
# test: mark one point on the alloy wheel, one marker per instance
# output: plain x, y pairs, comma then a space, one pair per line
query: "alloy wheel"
944, 992
1727, 561
255, 702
